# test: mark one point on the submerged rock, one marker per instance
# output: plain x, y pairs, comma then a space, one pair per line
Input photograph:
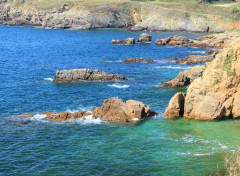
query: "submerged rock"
137, 59
115, 110
145, 38
185, 78
26, 115
76, 75
128, 41
216, 95
176, 106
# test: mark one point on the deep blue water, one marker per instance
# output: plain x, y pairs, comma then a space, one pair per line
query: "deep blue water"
158, 146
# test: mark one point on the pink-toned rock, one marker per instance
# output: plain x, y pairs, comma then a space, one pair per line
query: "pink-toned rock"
115, 110
176, 106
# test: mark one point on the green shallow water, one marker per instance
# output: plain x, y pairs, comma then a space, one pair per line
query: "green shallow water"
158, 146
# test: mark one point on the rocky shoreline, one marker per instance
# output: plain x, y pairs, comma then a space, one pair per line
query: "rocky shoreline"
75, 16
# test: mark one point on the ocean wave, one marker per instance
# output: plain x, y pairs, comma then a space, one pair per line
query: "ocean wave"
195, 154
119, 86
174, 67
48, 79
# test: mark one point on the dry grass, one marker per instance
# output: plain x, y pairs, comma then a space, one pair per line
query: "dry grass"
233, 165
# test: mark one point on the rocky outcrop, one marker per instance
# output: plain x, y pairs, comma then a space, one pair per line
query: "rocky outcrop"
185, 78
76, 75
176, 106
145, 38
215, 95
213, 41
195, 59
137, 59
116, 110
212, 52
128, 41
112, 110
65, 116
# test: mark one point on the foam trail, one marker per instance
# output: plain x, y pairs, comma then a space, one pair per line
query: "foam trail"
174, 67
119, 86
197, 52
48, 79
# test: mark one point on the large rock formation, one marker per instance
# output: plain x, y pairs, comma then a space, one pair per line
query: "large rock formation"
216, 95
185, 78
176, 106
145, 38
213, 40
137, 59
115, 110
76, 75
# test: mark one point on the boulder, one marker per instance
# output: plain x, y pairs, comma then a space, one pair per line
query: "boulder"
145, 38
195, 59
176, 106
118, 42
116, 110
137, 59
127, 41
185, 78
76, 75
173, 59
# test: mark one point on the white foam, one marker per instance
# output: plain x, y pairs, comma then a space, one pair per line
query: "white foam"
197, 52
195, 154
119, 86
174, 67
48, 79
89, 120
135, 119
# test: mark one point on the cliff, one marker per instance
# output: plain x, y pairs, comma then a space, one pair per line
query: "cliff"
108, 14
215, 95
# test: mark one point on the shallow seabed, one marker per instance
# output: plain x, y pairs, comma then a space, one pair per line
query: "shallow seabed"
159, 146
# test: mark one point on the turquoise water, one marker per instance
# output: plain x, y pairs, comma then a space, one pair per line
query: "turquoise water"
159, 146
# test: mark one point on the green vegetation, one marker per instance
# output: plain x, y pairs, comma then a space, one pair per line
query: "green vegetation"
215, 82
227, 64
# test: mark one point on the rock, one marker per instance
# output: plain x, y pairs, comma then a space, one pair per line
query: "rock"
212, 52
185, 78
176, 106
62, 116
137, 59
118, 42
145, 38
214, 41
115, 110
215, 95
65, 116
129, 41
174, 41
76, 75
173, 59
195, 59
26, 115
